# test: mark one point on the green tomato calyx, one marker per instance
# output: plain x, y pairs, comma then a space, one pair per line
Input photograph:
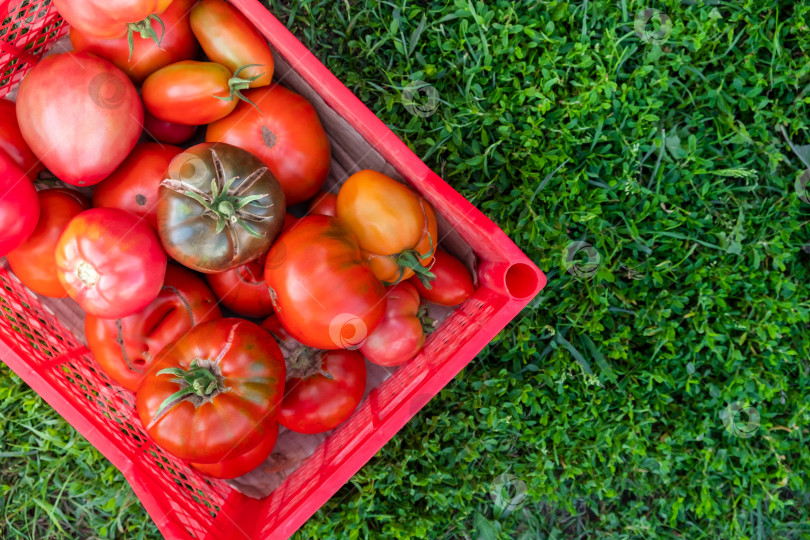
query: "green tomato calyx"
144, 29
199, 384
236, 84
228, 205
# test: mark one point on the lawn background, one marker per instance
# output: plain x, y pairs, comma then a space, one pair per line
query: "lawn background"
666, 151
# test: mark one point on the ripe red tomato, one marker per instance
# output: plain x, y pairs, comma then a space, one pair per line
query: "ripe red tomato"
453, 284
324, 204
228, 38
134, 185
400, 335
108, 20
323, 293
80, 115
395, 227
240, 465
147, 56
167, 132
243, 289
193, 93
12, 142
210, 395
19, 205
110, 262
218, 208
34, 262
126, 348
323, 387
285, 132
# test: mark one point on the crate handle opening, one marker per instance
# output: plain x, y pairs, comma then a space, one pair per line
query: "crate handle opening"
522, 281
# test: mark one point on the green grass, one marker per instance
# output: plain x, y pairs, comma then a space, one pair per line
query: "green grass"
669, 157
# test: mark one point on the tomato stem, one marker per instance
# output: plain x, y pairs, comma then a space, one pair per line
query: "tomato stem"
198, 384
429, 325
145, 30
303, 362
226, 204
87, 274
411, 259
236, 84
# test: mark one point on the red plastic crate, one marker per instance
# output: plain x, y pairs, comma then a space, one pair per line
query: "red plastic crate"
41, 339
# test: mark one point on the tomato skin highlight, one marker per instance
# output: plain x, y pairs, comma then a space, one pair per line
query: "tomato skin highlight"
286, 133
126, 348
188, 93
189, 231
399, 337
323, 293
389, 221
177, 43
241, 465
34, 262
167, 132
19, 205
453, 284
106, 19
228, 38
233, 419
324, 204
313, 402
80, 115
134, 185
110, 262
12, 142
243, 289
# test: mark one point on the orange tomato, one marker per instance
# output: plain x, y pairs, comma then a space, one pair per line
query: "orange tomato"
395, 227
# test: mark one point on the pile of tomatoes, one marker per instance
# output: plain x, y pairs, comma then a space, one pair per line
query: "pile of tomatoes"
172, 233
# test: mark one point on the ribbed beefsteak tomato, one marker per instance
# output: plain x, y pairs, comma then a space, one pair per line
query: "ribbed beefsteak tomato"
219, 207
211, 395
110, 262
